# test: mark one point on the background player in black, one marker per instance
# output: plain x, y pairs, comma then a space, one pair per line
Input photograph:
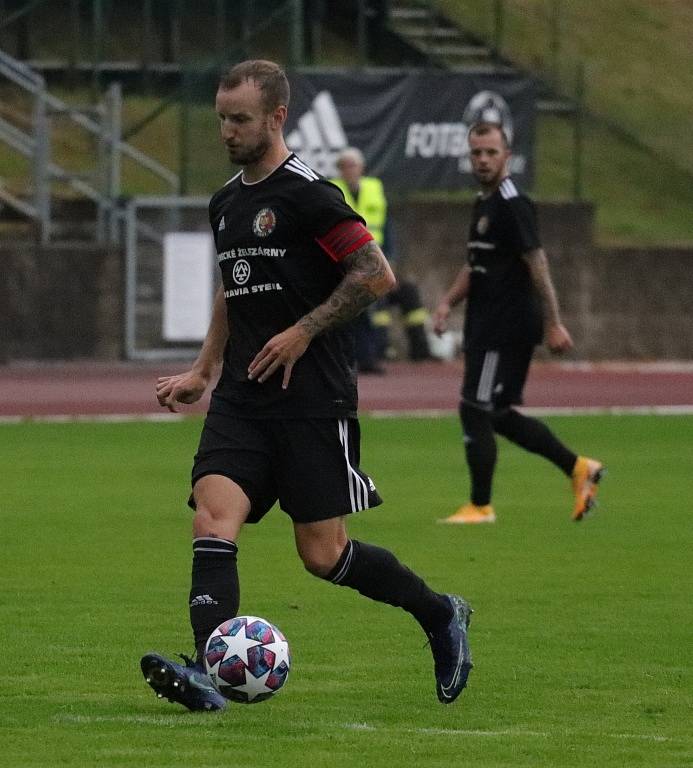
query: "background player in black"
511, 306
297, 266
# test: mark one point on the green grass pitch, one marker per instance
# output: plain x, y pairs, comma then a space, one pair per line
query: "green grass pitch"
581, 634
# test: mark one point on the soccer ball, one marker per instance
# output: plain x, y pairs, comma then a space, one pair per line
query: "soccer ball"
247, 659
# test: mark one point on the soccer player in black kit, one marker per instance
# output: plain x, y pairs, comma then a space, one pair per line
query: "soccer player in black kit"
297, 265
511, 307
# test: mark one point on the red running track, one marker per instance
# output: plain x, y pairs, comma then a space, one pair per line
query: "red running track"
43, 389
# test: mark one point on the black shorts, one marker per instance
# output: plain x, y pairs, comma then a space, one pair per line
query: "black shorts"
494, 378
311, 466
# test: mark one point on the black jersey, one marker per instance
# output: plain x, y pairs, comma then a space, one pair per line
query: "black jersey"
274, 272
503, 307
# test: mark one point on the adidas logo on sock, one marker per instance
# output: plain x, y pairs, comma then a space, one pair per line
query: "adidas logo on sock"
319, 136
203, 600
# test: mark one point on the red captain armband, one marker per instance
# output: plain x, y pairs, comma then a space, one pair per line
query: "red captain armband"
344, 238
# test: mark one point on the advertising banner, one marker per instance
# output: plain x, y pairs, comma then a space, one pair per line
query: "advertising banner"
411, 126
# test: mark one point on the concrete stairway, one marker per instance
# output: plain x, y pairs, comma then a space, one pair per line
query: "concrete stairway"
443, 43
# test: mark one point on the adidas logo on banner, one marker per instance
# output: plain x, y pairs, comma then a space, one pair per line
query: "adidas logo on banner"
222, 225
319, 136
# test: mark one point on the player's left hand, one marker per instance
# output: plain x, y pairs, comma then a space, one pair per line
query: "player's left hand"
558, 339
440, 318
284, 349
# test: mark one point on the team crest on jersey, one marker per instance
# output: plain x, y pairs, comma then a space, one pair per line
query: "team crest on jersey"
482, 225
265, 222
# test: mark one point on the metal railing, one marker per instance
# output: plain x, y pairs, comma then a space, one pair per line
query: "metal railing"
102, 122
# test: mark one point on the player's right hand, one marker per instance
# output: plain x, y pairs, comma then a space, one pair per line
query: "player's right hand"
284, 349
185, 388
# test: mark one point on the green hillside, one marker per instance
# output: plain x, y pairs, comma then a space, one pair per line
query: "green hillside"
637, 56
638, 199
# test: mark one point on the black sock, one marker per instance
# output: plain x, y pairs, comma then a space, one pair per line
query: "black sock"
480, 450
533, 435
214, 593
378, 574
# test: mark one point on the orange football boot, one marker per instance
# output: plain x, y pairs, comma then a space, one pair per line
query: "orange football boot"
586, 475
471, 514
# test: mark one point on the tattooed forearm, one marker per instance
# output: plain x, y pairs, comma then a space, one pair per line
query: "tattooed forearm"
541, 278
367, 277
348, 299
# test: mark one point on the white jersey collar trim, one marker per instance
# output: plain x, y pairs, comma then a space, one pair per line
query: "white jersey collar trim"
266, 176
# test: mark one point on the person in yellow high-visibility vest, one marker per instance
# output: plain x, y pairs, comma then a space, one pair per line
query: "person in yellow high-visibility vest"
366, 195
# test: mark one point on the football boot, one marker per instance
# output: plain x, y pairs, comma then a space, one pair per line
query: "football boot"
188, 685
452, 658
471, 514
586, 475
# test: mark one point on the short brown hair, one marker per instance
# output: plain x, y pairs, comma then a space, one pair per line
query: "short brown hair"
269, 77
484, 128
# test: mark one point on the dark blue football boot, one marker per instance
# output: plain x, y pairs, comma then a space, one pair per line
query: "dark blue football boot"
451, 655
188, 685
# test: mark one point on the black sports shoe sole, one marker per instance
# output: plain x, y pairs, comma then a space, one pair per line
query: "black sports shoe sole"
163, 678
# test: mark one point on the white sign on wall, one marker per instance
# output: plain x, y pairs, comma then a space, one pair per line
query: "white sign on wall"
188, 285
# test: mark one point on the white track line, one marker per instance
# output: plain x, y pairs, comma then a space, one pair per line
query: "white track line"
607, 410
107, 418
513, 732
624, 366
426, 413
174, 720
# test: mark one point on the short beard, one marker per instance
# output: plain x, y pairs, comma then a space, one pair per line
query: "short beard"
491, 182
252, 155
